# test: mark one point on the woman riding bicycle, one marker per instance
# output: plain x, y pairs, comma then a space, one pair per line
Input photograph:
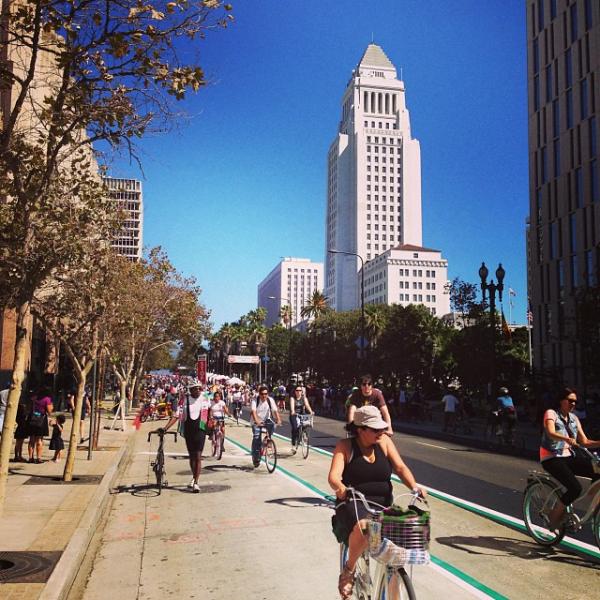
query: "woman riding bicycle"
299, 405
562, 434
365, 463
218, 409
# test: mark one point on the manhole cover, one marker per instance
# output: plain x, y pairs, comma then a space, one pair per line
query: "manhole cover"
27, 567
55, 480
211, 489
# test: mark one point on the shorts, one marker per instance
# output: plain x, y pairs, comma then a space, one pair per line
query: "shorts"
348, 514
194, 440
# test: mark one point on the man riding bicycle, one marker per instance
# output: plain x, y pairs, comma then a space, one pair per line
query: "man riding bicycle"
366, 395
264, 414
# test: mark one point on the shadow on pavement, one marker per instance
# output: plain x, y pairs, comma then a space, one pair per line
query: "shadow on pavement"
502, 546
300, 502
141, 490
217, 468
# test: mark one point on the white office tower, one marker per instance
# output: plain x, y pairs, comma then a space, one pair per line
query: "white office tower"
374, 177
292, 282
127, 194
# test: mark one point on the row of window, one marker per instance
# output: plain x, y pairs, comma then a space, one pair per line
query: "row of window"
377, 215
416, 285
417, 272
384, 140
383, 227
387, 125
417, 298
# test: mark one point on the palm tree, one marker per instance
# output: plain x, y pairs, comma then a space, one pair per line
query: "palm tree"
315, 307
285, 314
375, 322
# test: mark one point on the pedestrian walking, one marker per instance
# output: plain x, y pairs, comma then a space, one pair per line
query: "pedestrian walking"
21, 432
450, 402
37, 423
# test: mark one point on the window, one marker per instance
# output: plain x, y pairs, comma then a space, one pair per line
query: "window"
579, 187
548, 83
573, 232
594, 184
588, 15
593, 142
536, 56
574, 272
583, 98
555, 119
556, 158
569, 109
569, 68
574, 30
536, 93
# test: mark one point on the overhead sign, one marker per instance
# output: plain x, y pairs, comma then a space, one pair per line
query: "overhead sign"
248, 360
201, 368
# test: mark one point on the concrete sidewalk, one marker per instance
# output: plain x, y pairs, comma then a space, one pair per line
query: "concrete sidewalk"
47, 525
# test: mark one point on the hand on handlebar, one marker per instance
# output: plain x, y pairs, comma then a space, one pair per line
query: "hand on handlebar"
420, 491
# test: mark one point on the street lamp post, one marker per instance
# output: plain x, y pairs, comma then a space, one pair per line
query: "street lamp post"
491, 288
362, 295
289, 324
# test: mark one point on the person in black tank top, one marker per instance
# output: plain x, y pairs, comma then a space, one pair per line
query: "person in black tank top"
366, 463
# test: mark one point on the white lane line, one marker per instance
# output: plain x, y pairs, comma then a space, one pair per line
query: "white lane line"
473, 591
432, 445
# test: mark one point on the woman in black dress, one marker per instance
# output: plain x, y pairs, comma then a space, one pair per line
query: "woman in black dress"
365, 463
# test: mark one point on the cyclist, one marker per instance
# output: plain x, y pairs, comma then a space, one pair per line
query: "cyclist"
193, 417
237, 400
365, 395
364, 462
299, 405
264, 414
218, 410
506, 412
562, 434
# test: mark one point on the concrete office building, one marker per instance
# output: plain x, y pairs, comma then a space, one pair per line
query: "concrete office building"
563, 41
408, 274
374, 177
292, 282
128, 194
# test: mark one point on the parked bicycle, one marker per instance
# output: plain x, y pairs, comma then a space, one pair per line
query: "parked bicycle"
218, 438
541, 495
305, 423
158, 465
391, 538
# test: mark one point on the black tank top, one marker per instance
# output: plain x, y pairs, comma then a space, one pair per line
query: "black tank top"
372, 479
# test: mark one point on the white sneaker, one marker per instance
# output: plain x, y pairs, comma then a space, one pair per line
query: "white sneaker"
196, 488
191, 483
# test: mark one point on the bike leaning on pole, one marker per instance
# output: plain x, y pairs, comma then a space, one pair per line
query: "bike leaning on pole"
541, 495
389, 539
158, 465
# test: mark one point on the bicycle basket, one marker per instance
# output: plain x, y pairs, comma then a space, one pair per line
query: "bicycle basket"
408, 528
307, 420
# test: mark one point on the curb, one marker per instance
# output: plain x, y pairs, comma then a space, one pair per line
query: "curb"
60, 582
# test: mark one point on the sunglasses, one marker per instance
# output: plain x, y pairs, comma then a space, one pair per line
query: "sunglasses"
298, 390
366, 383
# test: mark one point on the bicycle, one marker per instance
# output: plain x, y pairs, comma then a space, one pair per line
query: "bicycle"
305, 422
268, 450
237, 411
541, 495
158, 465
390, 580
218, 438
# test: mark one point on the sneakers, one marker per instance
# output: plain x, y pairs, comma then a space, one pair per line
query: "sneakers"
191, 483
195, 488
294, 450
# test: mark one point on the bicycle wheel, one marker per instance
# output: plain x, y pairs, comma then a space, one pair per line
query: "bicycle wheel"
596, 526
159, 469
213, 441
219, 439
395, 584
539, 499
270, 455
143, 416
305, 441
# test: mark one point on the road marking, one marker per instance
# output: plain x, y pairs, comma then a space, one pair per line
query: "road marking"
476, 588
432, 445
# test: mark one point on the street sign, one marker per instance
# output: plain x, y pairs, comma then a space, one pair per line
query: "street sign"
266, 358
361, 342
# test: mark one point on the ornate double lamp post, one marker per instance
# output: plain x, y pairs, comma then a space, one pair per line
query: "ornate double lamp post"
491, 289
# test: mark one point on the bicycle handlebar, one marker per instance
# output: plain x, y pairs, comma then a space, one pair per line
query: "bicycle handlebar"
356, 495
161, 433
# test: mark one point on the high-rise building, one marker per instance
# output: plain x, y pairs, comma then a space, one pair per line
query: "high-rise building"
127, 193
374, 177
563, 252
291, 283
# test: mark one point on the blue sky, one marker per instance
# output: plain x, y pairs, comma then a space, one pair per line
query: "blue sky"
241, 181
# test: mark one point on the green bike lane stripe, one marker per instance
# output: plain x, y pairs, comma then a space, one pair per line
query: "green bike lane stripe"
454, 571
482, 511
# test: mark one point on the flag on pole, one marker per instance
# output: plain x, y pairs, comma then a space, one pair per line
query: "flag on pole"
506, 329
529, 313
511, 292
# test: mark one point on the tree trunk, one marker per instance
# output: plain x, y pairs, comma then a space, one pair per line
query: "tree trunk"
18, 375
74, 437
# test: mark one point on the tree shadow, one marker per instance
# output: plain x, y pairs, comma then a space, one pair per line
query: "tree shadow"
502, 546
223, 467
